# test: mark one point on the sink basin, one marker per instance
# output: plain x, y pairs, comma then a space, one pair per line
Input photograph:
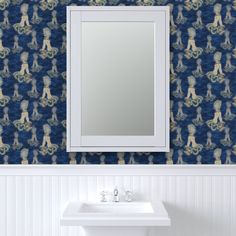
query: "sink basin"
115, 214
116, 208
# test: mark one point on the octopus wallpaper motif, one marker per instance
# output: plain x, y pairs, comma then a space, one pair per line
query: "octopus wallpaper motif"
33, 83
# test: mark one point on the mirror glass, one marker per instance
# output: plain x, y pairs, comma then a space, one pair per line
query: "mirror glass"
117, 78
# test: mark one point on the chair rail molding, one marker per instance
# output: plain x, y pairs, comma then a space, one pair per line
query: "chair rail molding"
119, 170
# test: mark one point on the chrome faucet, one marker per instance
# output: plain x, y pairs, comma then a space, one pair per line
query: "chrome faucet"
116, 195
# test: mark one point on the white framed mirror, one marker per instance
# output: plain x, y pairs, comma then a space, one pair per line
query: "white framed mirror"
117, 79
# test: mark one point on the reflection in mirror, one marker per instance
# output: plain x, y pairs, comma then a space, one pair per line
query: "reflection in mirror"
117, 78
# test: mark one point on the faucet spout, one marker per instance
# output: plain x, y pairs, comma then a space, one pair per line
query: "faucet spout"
116, 195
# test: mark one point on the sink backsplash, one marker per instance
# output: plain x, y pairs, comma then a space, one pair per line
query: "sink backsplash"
33, 84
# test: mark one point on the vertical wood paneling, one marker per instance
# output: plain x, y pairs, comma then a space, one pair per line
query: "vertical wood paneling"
127, 184
181, 203
55, 206
190, 209
20, 204
144, 187
170, 203
154, 189
83, 188
100, 185
118, 182
92, 189
47, 202
28, 223
226, 203
45, 209
163, 183
11, 206
73, 195
208, 205
136, 187
37, 208
64, 197
219, 221
198, 205
110, 183
233, 206
214, 210
172, 190
3, 208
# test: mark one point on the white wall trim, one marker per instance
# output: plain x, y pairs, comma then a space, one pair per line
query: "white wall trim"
113, 170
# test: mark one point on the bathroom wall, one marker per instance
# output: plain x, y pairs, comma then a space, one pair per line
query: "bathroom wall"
33, 83
199, 200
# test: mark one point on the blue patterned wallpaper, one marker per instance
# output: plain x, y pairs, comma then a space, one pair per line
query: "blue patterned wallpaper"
33, 84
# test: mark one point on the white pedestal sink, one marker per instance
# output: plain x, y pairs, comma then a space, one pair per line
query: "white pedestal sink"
115, 219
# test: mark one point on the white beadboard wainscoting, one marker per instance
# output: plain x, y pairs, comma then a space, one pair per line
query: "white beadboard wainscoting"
201, 200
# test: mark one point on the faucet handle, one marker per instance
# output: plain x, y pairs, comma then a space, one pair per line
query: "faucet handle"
128, 196
103, 196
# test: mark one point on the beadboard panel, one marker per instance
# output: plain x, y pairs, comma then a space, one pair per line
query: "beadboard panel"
198, 204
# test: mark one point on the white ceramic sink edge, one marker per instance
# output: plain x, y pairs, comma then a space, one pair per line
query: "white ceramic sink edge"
142, 214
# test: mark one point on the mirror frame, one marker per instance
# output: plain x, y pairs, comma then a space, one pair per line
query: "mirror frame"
159, 142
